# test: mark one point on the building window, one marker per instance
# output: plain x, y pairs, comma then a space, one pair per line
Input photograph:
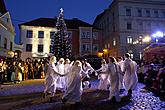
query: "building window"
148, 13
129, 26
11, 46
29, 47
129, 40
85, 35
86, 47
139, 13
140, 26
95, 35
40, 34
52, 34
128, 12
155, 13
40, 48
5, 43
163, 14
108, 45
114, 42
29, 34
95, 47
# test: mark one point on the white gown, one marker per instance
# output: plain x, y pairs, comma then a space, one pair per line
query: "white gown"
103, 76
121, 75
67, 68
50, 79
61, 82
130, 76
114, 81
74, 91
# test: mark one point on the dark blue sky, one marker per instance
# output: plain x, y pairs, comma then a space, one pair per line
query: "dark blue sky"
25, 10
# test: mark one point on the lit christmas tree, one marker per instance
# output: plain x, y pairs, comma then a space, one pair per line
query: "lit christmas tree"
61, 41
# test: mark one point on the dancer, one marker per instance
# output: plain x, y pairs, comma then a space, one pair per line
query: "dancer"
61, 82
67, 68
103, 76
121, 74
88, 70
74, 91
130, 76
51, 77
113, 69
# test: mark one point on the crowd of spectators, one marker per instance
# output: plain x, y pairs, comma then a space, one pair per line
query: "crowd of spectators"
16, 70
153, 74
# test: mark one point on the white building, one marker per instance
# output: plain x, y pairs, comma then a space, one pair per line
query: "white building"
6, 32
36, 37
126, 22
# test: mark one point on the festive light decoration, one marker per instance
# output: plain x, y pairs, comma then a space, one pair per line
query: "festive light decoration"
62, 47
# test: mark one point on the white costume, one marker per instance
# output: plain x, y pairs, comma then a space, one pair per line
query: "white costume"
87, 70
130, 76
121, 82
50, 79
113, 70
61, 82
67, 69
103, 76
74, 91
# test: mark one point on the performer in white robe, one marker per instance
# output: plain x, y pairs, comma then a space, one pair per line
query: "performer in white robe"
51, 78
67, 68
74, 91
61, 82
113, 69
121, 74
130, 76
88, 70
103, 76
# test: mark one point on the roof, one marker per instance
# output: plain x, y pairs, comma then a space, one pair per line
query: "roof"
51, 22
2, 7
98, 17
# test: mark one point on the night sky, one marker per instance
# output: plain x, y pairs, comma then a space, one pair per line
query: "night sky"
25, 10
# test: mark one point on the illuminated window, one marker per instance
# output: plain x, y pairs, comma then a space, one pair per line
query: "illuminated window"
128, 12
114, 42
29, 47
5, 43
40, 34
40, 48
129, 40
29, 34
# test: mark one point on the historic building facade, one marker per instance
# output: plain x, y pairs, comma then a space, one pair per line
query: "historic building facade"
127, 23
36, 36
7, 32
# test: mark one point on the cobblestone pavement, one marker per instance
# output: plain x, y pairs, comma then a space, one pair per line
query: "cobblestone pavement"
28, 96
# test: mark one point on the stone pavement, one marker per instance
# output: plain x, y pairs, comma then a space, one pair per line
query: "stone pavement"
27, 96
